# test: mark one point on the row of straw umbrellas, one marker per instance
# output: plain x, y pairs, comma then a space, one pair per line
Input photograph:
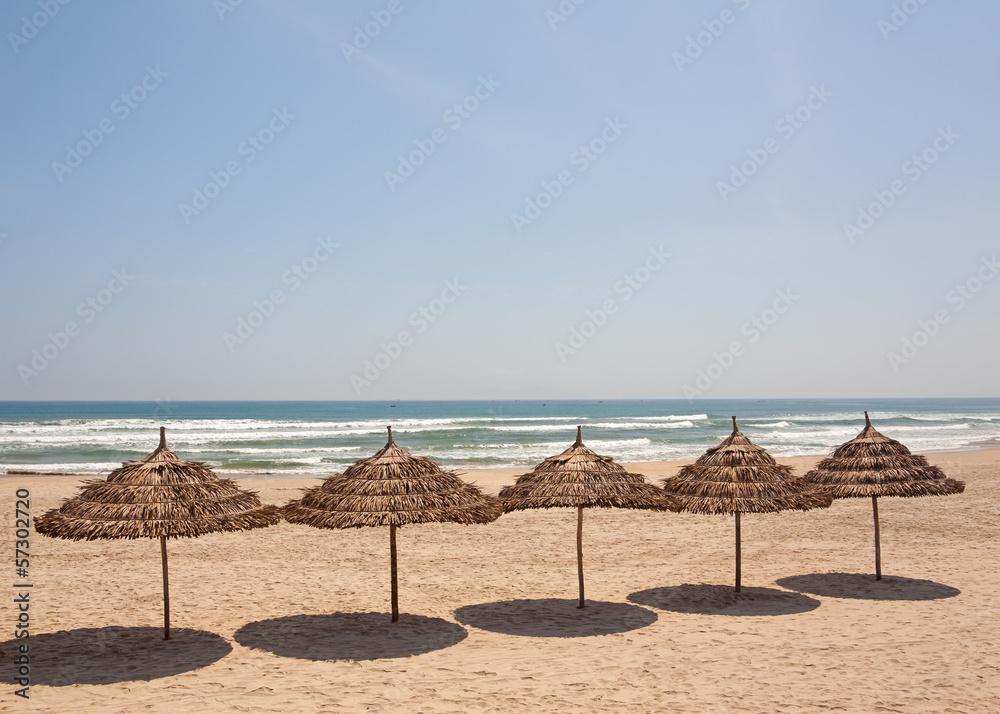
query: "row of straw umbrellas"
163, 496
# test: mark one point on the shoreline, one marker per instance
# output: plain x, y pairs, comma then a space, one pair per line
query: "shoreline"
498, 476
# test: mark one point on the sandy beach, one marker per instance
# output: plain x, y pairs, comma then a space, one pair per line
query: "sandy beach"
292, 618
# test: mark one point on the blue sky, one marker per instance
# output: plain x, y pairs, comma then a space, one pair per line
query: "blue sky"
525, 255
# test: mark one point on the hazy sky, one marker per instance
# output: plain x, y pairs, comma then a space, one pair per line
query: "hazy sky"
449, 200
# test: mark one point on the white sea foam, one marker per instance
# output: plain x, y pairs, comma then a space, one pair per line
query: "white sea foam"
672, 417
317, 446
83, 467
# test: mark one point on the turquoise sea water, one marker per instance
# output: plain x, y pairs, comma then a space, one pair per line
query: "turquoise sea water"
323, 437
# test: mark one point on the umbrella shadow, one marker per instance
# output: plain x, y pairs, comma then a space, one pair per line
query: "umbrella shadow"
551, 617
724, 600
106, 655
862, 586
350, 636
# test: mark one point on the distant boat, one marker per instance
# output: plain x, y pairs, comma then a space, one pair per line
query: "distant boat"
392, 405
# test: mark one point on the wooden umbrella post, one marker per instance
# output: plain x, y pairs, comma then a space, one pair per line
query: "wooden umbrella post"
158, 497
878, 544
395, 586
737, 551
579, 550
166, 589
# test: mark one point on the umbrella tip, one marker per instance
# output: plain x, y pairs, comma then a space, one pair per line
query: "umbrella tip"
390, 435
867, 420
163, 436
734, 425
579, 436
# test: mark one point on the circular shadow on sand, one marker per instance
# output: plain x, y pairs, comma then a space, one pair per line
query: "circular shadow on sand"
350, 635
724, 600
864, 586
555, 618
106, 655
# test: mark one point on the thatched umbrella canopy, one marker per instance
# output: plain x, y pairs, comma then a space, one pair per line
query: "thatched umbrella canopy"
162, 497
392, 488
873, 465
739, 477
579, 478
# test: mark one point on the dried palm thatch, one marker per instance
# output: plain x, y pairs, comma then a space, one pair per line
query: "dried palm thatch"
579, 478
872, 465
392, 488
162, 497
737, 477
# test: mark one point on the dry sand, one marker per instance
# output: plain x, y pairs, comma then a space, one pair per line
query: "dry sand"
294, 619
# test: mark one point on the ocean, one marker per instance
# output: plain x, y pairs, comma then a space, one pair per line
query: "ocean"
324, 437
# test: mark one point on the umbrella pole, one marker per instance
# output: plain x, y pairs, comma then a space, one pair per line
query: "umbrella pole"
166, 589
579, 550
878, 544
737, 551
395, 586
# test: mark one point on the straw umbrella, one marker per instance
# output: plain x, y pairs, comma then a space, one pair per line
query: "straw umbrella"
739, 477
873, 465
162, 497
579, 478
392, 488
